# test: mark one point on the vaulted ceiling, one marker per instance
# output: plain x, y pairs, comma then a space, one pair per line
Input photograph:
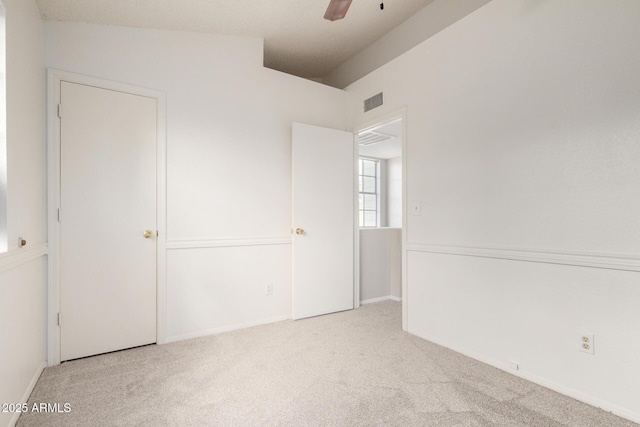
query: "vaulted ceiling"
297, 39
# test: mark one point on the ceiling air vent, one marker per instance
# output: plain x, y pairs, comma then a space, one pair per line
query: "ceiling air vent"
372, 137
373, 102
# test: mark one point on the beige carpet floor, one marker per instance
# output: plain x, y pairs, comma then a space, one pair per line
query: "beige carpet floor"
354, 368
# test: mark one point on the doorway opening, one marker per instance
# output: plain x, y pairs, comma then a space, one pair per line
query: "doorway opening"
380, 210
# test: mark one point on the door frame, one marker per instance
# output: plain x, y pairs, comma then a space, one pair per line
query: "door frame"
400, 113
54, 79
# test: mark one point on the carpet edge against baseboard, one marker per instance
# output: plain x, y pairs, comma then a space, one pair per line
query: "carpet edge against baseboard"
379, 299
28, 391
541, 381
228, 328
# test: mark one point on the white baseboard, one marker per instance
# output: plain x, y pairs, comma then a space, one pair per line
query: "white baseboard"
28, 391
384, 298
560, 388
228, 328
590, 400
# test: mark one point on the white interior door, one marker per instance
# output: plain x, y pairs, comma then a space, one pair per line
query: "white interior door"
324, 213
107, 202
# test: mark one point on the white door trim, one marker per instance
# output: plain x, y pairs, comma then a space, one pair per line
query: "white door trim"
356, 224
402, 114
54, 77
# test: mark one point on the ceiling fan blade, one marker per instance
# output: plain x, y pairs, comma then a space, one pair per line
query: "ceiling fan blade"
337, 9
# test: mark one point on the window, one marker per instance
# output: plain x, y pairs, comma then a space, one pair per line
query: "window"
368, 187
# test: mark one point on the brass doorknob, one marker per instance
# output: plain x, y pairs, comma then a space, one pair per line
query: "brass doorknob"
147, 234
299, 231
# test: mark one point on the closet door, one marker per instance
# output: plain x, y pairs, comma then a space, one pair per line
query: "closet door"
107, 220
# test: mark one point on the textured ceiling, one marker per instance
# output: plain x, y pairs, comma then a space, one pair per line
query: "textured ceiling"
297, 39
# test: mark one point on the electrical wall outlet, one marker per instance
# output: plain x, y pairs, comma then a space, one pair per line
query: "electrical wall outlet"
513, 365
586, 343
268, 290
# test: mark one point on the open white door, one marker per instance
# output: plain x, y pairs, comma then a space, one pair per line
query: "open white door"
323, 220
107, 220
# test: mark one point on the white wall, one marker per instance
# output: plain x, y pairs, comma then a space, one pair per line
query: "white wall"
428, 21
26, 152
229, 161
3, 135
380, 260
394, 192
382, 193
395, 263
23, 271
522, 129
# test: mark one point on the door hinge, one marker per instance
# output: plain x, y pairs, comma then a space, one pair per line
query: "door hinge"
59, 215
59, 322
60, 110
